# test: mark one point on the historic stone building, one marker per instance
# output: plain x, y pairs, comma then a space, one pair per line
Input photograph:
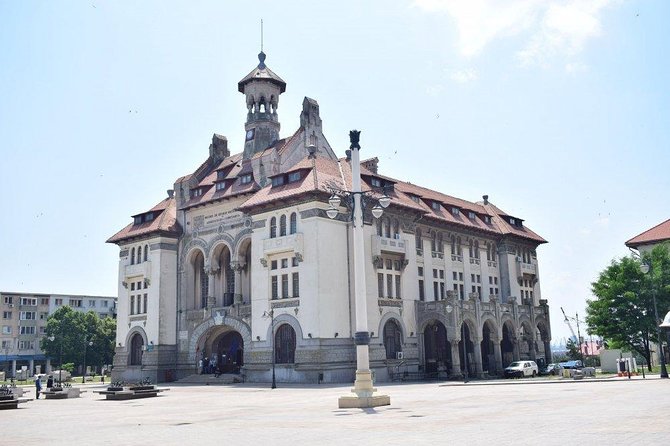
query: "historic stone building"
240, 258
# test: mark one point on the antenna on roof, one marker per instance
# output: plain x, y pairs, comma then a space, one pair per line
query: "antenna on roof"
261, 35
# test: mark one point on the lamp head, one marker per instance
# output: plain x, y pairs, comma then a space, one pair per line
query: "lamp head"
377, 211
334, 201
331, 213
385, 201
666, 321
644, 267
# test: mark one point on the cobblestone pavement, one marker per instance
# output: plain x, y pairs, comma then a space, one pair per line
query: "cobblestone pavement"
520, 412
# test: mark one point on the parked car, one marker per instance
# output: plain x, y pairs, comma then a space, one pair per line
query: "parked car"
520, 369
551, 369
577, 364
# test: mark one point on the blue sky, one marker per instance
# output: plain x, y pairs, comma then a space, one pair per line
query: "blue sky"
557, 109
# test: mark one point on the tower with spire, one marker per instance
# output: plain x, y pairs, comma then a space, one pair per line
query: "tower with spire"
261, 89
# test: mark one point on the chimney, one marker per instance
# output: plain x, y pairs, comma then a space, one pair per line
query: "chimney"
486, 199
170, 193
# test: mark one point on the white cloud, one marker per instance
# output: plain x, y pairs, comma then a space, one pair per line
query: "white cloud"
463, 76
548, 27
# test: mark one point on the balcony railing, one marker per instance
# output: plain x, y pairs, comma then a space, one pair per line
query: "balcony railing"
139, 269
437, 255
474, 262
456, 258
493, 263
388, 244
291, 242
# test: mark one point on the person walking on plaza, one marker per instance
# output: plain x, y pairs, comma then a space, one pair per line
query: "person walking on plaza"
50, 382
38, 387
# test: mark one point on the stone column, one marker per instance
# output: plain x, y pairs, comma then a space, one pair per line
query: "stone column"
547, 351
211, 280
237, 267
497, 352
455, 360
13, 371
515, 352
478, 371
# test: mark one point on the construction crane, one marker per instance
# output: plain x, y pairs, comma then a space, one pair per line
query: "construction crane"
578, 336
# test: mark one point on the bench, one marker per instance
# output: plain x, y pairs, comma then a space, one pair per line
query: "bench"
128, 393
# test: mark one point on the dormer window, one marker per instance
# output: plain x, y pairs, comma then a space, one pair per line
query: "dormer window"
471, 215
149, 216
196, 192
220, 175
245, 179
142, 218
512, 221
376, 182
455, 212
278, 180
294, 176
414, 198
487, 219
137, 220
221, 185
435, 205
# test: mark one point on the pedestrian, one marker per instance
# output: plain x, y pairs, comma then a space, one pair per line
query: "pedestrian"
38, 387
50, 382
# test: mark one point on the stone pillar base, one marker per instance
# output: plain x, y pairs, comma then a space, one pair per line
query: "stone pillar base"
358, 402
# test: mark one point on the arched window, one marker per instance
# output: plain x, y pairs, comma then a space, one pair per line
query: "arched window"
139, 254
488, 251
471, 250
285, 345
392, 339
440, 245
282, 225
433, 241
396, 228
200, 281
453, 245
132, 256
136, 344
418, 239
476, 249
146, 252
294, 223
387, 227
273, 227
459, 249
380, 227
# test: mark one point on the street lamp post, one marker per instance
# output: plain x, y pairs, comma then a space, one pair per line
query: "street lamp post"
271, 315
648, 268
60, 359
363, 389
83, 375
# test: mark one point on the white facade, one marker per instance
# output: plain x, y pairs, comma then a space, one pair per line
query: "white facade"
244, 241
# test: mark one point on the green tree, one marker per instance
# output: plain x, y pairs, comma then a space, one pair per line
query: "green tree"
572, 352
73, 331
623, 311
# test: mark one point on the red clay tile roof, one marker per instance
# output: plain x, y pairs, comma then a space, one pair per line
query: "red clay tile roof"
163, 223
657, 234
264, 73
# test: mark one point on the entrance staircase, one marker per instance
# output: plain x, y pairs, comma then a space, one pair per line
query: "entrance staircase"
225, 378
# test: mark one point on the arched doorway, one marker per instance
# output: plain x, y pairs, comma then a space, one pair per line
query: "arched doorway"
285, 344
543, 345
507, 344
224, 285
197, 281
437, 352
228, 352
487, 348
392, 339
136, 344
470, 347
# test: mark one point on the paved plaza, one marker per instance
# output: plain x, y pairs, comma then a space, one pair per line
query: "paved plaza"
520, 412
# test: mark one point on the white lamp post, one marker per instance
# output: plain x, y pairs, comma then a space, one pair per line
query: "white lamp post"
365, 393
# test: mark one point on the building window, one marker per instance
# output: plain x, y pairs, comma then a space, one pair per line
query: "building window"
146, 252
6, 314
398, 294
245, 179
296, 284
27, 330
145, 302
277, 181
392, 339
273, 227
132, 256
284, 286
132, 305
26, 345
380, 285
419, 242
59, 302
293, 177
275, 288
455, 212
285, 345
282, 225
376, 182
9, 300
293, 226
422, 293
136, 344
105, 303
27, 315
435, 205
28, 301
389, 286
139, 254
91, 303
6, 329
44, 301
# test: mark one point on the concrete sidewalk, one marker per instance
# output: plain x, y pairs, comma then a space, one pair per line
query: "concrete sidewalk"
584, 412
